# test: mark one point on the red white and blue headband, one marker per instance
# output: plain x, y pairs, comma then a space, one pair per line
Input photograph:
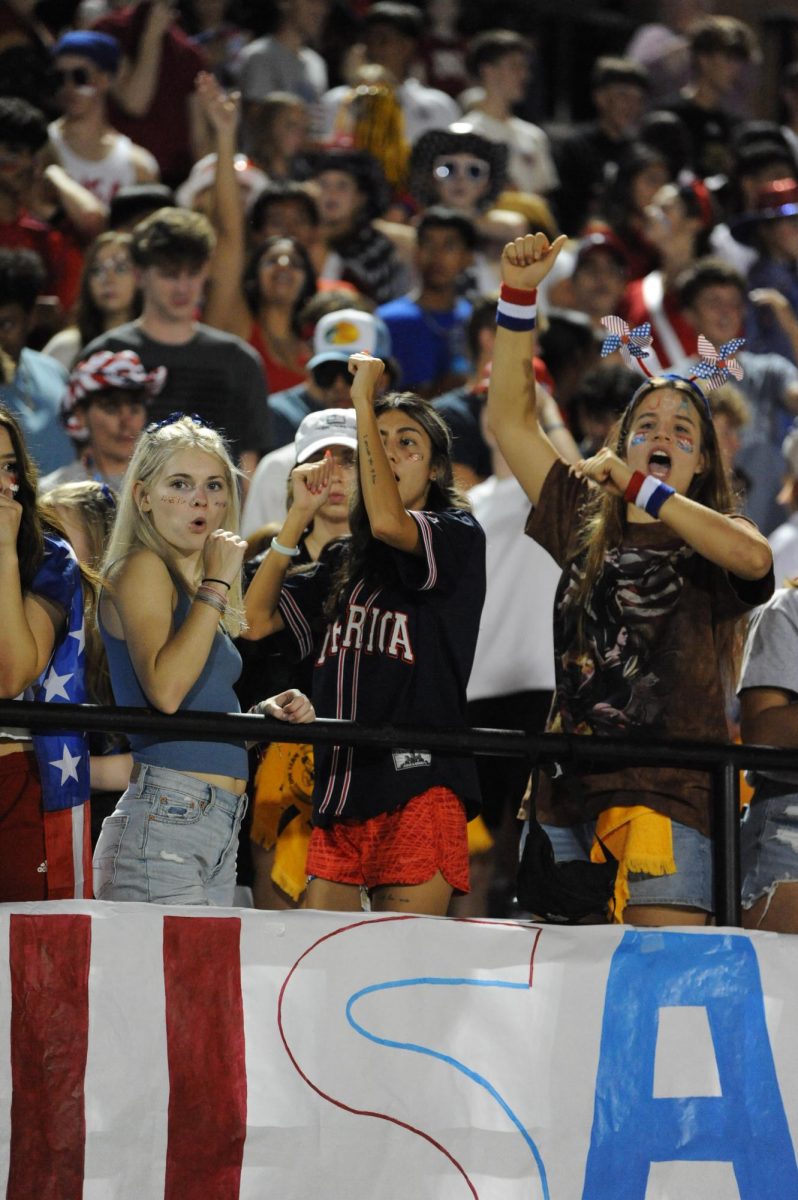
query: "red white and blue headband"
714, 368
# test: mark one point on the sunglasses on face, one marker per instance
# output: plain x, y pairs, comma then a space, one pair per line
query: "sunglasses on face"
326, 373
454, 168
79, 76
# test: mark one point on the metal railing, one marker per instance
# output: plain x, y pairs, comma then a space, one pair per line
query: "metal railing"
721, 760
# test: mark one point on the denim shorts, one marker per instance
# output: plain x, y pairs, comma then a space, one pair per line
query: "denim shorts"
769, 840
689, 887
172, 839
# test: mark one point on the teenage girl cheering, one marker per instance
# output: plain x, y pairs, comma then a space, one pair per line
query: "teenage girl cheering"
171, 604
391, 616
657, 569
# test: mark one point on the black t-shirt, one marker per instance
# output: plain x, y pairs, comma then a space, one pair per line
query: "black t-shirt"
215, 375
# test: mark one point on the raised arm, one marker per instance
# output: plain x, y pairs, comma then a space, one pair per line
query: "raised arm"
310, 487
226, 307
168, 661
512, 407
389, 519
136, 82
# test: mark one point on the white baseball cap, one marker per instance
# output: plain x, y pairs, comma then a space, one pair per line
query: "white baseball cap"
327, 427
347, 331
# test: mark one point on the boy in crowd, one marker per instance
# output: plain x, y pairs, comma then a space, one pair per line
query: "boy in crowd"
34, 391
428, 327
499, 61
210, 373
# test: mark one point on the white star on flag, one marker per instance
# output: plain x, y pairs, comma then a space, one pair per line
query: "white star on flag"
80, 637
54, 685
67, 766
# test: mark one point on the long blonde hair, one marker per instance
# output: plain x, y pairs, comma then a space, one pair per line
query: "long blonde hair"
134, 529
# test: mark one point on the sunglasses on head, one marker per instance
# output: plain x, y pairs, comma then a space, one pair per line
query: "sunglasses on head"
454, 168
326, 373
80, 76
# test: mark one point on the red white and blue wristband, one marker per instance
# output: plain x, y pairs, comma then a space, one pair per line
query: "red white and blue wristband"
517, 309
647, 492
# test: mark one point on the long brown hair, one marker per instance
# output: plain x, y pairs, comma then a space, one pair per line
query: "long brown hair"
30, 540
604, 516
363, 555
89, 318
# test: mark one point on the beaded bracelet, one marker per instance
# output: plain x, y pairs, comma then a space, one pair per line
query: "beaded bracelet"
210, 579
286, 550
517, 308
647, 492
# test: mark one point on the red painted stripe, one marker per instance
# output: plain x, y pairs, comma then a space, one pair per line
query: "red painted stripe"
206, 1056
49, 957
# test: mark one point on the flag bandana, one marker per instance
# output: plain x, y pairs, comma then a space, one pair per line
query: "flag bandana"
63, 755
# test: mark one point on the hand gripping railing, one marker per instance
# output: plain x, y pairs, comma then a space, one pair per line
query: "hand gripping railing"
720, 759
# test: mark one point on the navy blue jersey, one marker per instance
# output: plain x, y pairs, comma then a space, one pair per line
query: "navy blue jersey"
401, 655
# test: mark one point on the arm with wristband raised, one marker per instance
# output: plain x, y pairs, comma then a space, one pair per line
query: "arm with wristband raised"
310, 484
512, 405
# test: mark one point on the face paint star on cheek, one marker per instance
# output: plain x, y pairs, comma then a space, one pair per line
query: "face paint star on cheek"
415, 456
637, 439
685, 444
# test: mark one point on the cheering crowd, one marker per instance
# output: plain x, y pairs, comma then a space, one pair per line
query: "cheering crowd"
383, 401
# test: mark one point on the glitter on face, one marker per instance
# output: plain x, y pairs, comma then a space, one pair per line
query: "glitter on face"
637, 439
685, 444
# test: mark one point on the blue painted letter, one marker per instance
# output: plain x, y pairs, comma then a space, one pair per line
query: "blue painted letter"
745, 1125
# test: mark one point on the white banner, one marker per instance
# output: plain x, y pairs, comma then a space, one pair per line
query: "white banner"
178, 1054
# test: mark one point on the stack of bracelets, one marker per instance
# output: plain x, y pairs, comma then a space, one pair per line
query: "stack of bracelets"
207, 594
647, 493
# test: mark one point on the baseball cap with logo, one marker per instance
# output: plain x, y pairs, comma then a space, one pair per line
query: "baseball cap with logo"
328, 427
347, 331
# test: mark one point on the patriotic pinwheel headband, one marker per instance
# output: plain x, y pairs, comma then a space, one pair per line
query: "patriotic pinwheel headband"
714, 368
107, 370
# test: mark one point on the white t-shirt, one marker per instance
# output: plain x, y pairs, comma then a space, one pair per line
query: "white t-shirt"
784, 544
266, 498
531, 167
515, 647
423, 108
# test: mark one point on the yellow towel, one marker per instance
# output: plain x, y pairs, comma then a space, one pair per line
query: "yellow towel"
641, 840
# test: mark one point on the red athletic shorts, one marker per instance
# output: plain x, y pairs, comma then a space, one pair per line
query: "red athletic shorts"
407, 846
23, 871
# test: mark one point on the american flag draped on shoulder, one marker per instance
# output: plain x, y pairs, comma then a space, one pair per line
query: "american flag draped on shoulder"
63, 755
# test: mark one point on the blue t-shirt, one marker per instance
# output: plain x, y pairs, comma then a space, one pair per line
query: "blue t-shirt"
428, 346
34, 397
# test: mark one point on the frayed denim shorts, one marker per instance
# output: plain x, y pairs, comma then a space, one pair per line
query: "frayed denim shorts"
172, 839
769, 840
690, 886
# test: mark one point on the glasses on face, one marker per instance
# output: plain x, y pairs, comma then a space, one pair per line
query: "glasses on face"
283, 260
79, 76
112, 266
326, 373
475, 169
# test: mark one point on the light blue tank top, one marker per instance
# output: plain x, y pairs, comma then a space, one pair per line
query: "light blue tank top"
212, 692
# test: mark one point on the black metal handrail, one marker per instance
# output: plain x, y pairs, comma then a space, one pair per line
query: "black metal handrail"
722, 760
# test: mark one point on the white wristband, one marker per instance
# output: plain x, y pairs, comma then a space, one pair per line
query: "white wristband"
286, 550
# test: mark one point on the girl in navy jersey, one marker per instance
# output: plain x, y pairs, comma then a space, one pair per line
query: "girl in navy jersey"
657, 569
391, 616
